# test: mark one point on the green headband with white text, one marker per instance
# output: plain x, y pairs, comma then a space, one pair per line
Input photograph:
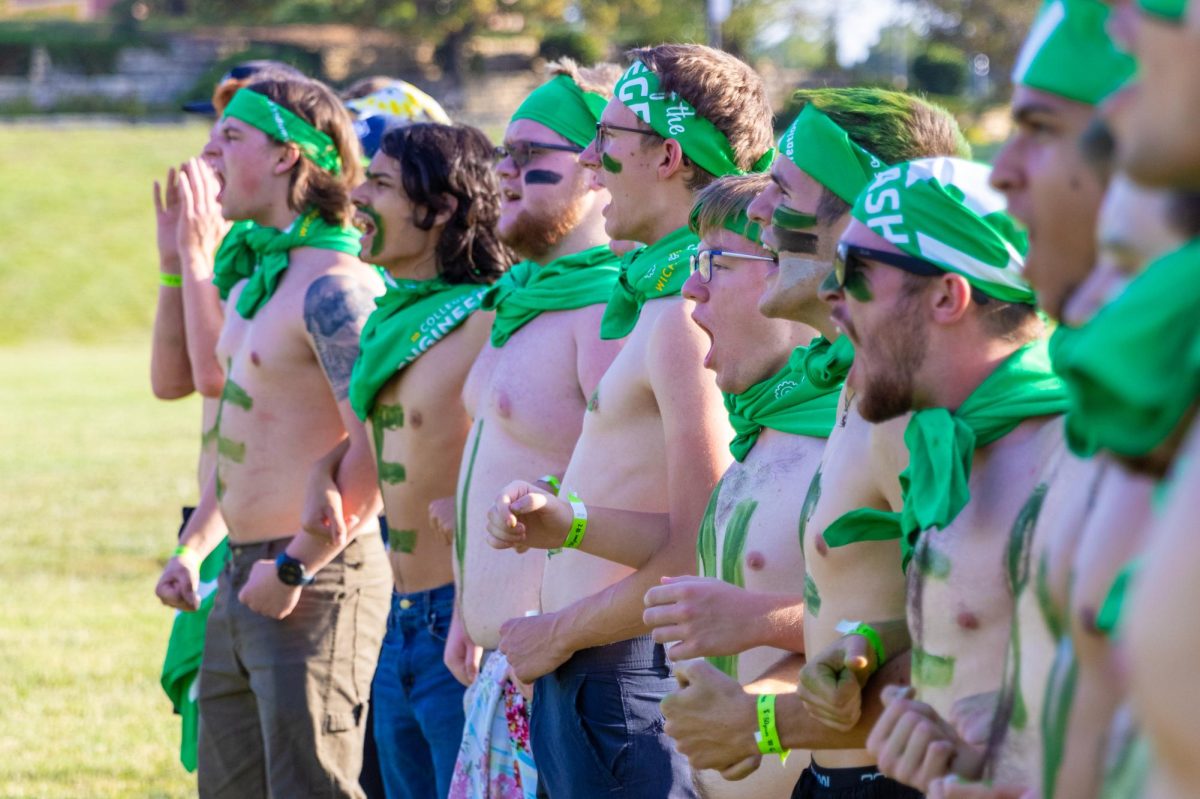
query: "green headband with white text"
827, 154
673, 117
284, 126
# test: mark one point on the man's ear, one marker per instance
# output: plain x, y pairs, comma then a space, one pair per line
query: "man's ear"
289, 156
447, 213
671, 159
949, 298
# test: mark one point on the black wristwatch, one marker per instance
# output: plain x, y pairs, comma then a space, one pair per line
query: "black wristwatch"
291, 571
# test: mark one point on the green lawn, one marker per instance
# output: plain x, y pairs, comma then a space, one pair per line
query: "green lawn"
93, 469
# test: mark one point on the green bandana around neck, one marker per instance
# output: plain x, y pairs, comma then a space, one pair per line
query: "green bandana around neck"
942, 210
648, 273
1170, 10
410, 317
826, 363
566, 109
228, 268
1133, 371
1069, 53
942, 444
262, 254
673, 117
787, 401
529, 289
827, 154
739, 223
284, 126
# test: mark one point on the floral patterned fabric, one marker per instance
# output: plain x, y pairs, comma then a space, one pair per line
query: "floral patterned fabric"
494, 761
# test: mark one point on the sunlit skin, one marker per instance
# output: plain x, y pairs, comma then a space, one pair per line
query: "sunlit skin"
792, 288
401, 247
1052, 191
1154, 117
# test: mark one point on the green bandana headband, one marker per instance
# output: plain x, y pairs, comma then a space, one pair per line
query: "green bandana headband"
566, 109
409, 318
261, 255
820, 147
739, 223
648, 273
673, 117
282, 125
1170, 10
941, 443
1068, 53
527, 289
943, 211
1133, 371
787, 401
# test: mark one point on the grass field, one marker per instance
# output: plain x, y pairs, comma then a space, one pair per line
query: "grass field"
93, 469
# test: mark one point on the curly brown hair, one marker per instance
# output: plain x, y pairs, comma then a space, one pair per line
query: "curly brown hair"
444, 166
311, 186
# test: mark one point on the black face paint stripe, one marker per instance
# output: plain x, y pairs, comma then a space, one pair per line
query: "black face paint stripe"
534, 176
794, 241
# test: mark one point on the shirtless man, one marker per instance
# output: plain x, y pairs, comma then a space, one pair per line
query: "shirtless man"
654, 440
807, 205
429, 209
292, 640
527, 394
947, 329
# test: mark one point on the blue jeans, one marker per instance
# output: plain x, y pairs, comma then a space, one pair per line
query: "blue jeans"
418, 709
596, 728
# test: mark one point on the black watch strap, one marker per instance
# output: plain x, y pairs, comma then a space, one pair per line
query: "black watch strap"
291, 571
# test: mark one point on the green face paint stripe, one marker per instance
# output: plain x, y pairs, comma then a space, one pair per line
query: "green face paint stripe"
931, 671
392, 473
856, 287
735, 542
594, 400
220, 485
460, 534
611, 164
402, 541
932, 562
1056, 712
1126, 777
725, 663
812, 597
1045, 602
233, 450
389, 417
1020, 542
209, 436
235, 394
810, 505
792, 220
377, 239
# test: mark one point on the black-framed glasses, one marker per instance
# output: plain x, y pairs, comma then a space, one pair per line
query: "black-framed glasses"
849, 257
604, 131
522, 152
702, 261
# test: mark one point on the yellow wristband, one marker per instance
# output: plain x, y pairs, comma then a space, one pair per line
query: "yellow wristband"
187, 556
170, 280
578, 524
768, 733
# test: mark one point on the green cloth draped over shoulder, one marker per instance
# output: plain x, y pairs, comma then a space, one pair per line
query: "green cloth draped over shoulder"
529, 289
941, 444
826, 363
185, 648
410, 317
1133, 371
648, 273
786, 402
262, 254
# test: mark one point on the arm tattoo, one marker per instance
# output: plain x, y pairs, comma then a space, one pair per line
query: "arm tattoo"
335, 309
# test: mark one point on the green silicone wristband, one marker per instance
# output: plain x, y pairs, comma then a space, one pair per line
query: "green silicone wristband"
187, 556
170, 280
551, 481
578, 524
872, 636
768, 733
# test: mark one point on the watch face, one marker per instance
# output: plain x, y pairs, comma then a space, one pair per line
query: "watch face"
290, 571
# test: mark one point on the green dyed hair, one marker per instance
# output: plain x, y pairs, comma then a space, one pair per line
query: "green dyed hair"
894, 126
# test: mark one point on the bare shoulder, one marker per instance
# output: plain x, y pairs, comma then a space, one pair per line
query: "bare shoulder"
336, 306
675, 341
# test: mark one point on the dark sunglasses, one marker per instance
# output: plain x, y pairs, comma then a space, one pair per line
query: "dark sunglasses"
522, 152
850, 256
604, 132
702, 261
